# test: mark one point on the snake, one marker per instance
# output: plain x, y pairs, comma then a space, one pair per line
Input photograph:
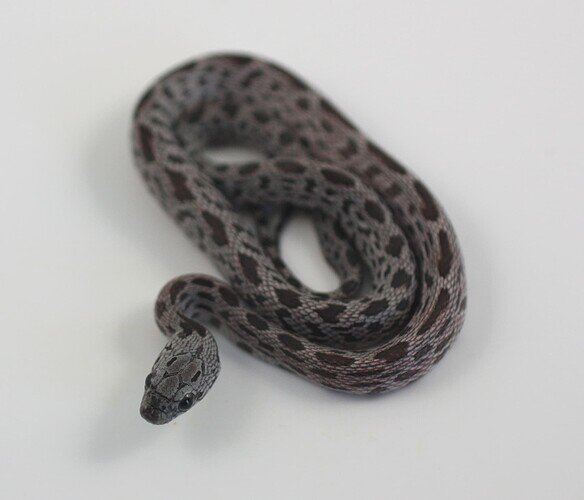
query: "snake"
402, 295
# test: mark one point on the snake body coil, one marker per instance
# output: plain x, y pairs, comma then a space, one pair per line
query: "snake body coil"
402, 297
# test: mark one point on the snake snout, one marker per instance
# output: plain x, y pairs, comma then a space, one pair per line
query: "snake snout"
152, 415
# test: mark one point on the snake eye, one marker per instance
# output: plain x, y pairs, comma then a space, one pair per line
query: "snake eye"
186, 402
148, 381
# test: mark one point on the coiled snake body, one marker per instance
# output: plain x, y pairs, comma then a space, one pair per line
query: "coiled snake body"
402, 297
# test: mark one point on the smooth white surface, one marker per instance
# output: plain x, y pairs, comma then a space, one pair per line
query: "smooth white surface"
484, 100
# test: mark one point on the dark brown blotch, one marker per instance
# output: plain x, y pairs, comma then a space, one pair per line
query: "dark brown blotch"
219, 234
446, 256
439, 306
372, 170
374, 210
303, 103
229, 297
375, 307
188, 327
394, 246
177, 287
337, 177
393, 191
207, 283
394, 353
408, 375
179, 185
288, 298
257, 322
335, 359
331, 312
206, 296
429, 208
401, 278
145, 137
291, 342
350, 287
250, 268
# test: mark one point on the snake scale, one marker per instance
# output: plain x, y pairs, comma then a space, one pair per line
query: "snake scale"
402, 296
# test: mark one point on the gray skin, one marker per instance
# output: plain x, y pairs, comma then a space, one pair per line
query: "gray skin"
402, 297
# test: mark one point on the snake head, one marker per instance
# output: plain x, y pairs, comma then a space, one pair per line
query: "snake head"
181, 376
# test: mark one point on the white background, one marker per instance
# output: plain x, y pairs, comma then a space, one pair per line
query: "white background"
483, 99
